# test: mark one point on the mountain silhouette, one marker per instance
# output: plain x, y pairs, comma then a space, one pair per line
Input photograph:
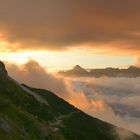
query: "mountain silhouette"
36, 114
131, 71
76, 71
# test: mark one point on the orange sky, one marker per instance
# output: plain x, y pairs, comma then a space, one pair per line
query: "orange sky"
60, 34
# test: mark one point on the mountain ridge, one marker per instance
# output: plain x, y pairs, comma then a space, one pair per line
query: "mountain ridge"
131, 71
24, 117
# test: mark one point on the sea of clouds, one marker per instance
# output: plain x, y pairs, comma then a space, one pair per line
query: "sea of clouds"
114, 100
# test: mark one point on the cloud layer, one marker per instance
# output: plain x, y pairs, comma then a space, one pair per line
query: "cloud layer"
115, 100
58, 24
34, 75
118, 98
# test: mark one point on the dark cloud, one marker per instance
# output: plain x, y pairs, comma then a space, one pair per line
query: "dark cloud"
57, 24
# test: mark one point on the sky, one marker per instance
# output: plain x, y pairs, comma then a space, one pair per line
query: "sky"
60, 33
42, 36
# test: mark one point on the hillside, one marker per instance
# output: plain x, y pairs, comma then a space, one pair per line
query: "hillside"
35, 114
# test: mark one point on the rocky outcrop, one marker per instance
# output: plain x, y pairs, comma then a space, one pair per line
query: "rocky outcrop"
3, 70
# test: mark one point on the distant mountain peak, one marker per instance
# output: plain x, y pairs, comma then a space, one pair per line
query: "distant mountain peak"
78, 67
132, 71
77, 70
3, 70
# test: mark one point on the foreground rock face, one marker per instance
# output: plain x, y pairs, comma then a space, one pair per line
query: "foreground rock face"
3, 70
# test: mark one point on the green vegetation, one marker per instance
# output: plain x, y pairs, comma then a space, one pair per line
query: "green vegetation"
22, 117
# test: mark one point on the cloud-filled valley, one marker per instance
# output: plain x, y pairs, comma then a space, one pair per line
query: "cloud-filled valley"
115, 100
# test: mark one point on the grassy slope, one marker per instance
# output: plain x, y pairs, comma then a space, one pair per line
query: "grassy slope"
22, 117
79, 126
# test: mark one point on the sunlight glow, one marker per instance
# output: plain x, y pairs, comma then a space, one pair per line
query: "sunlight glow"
54, 61
18, 57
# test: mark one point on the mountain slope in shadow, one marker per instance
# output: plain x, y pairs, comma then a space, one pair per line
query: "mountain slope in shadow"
35, 114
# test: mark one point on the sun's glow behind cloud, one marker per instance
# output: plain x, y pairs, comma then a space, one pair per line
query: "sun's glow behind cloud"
55, 61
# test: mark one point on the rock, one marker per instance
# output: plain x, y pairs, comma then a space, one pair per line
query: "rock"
3, 70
